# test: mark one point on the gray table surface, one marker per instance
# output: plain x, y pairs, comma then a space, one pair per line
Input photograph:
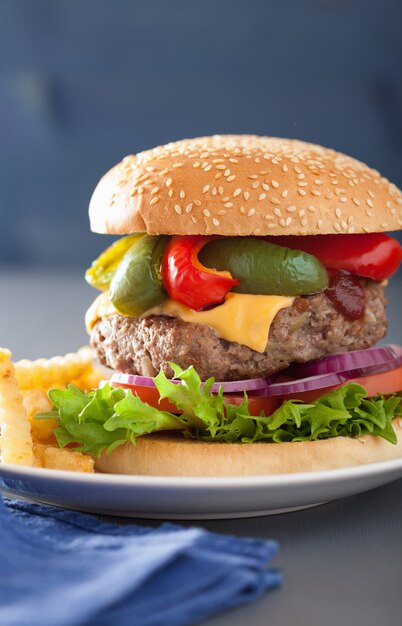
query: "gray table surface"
342, 561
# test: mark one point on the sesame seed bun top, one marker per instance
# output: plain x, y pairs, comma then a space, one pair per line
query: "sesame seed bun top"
243, 185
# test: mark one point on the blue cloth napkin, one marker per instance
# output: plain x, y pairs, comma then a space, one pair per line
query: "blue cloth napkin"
60, 568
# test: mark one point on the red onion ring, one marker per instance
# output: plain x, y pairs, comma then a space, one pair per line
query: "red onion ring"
231, 386
345, 361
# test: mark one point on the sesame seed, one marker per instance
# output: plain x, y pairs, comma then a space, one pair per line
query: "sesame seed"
271, 225
311, 208
242, 210
301, 192
250, 212
168, 182
214, 191
253, 176
288, 221
302, 212
337, 227
228, 205
230, 178
343, 199
319, 223
265, 186
246, 195
133, 192
206, 213
344, 225
206, 169
170, 192
255, 185
285, 168
302, 183
197, 202
189, 207
304, 221
226, 173
369, 203
274, 184
178, 165
301, 176
232, 160
221, 212
262, 196
154, 200
356, 201
163, 172
154, 191
282, 222
140, 189
278, 212
197, 164
177, 208
338, 212
215, 221
193, 219
182, 194
237, 192
268, 217
318, 181
284, 193
205, 189
351, 230
220, 190
371, 193
315, 192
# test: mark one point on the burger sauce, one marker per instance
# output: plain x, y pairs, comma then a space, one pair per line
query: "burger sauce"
346, 294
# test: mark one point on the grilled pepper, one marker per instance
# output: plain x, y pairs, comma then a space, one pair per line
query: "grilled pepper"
262, 267
137, 283
187, 280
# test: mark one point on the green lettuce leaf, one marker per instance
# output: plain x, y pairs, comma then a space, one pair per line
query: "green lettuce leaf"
108, 417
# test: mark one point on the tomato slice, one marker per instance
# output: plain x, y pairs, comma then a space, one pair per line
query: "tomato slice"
386, 383
150, 395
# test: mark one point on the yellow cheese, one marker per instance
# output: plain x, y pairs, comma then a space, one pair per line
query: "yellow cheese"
100, 307
243, 318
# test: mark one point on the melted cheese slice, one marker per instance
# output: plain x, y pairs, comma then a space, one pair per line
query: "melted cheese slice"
243, 318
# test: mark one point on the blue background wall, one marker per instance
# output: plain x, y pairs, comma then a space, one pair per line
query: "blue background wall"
84, 83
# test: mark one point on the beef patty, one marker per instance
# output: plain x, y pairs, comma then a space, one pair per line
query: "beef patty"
311, 328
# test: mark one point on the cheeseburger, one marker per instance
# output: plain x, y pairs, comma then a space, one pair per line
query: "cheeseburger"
239, 312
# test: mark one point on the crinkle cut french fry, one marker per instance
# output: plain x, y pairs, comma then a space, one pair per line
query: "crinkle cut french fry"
15, 434
36, 401
57, 371
52, 457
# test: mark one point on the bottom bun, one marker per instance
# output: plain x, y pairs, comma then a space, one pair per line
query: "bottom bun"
162, 455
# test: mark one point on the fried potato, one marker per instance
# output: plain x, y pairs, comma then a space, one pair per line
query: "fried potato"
58, 371
15, 435
52, 457
36, 401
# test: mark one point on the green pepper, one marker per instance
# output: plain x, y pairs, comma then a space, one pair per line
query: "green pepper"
265, 268
102, 270
137, 284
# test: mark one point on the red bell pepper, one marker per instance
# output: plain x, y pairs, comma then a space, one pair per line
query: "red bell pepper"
187, 280
374, 255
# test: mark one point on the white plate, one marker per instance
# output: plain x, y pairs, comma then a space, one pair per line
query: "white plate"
192, 498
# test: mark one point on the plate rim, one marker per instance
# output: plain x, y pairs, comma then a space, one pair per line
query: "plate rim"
199, 482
